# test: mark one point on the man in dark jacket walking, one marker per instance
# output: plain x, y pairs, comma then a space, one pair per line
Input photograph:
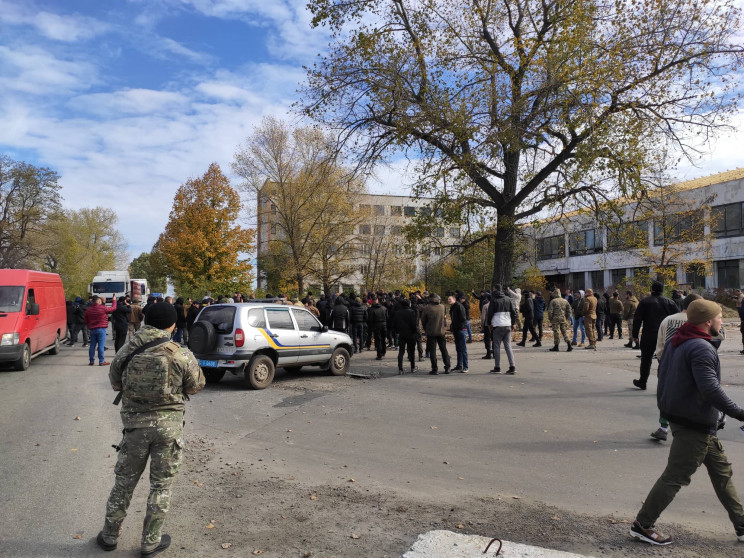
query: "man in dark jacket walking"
377, 320
406, 324
539, 304
527, 308
120, 322
358, 319
691, 398
432, 320
649, 314
459, 328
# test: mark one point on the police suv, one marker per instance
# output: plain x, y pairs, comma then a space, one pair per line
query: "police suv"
254, 338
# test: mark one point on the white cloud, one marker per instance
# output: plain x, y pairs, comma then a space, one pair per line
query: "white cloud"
129, 101
65, 28
34, 70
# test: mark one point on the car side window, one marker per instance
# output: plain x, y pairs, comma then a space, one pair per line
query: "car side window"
256, 317
279, 318
30, 299
306, 321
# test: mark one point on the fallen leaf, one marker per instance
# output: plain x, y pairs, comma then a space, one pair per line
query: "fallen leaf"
37, 444
517, 497
289, 430
210, 526
460, 478
226, 545
78, 536
74, 449
353, 536
460, 526
544, 430
555, 518
434, 427
446, 462
313, 496
78, 418
352, 480
257, 552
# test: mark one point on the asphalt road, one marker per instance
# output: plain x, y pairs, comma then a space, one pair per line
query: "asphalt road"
568, 430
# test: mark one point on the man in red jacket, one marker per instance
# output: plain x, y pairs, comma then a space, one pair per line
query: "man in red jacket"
96, 318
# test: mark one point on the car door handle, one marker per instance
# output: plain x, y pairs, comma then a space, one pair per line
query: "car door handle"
303, 336
274, 335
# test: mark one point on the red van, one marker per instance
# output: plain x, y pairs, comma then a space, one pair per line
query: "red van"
33, 317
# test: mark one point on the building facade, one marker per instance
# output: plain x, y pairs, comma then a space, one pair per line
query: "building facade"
578, 252
378, 248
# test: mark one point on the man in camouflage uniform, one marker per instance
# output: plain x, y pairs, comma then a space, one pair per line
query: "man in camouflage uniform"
559, 314
152, 384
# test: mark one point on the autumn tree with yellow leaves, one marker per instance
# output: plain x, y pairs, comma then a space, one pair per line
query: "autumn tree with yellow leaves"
203, 248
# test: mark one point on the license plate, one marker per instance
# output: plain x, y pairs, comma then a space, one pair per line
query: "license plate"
208, 363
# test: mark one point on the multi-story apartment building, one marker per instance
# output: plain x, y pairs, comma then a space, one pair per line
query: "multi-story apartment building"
577, 252
378, 248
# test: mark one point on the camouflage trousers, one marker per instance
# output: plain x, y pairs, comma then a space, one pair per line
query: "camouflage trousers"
559, 330
164, 446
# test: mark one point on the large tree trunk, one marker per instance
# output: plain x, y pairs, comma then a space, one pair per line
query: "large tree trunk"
300, 285
503, 251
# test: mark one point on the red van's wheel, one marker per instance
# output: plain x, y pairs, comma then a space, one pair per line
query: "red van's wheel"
25, 361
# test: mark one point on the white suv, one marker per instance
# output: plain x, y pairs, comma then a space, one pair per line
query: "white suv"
255, 338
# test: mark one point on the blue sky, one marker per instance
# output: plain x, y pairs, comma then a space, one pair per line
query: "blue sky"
127, 99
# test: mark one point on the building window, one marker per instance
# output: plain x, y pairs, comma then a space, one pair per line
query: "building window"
365, 229
578, 282
622, 236
551, 247
437, 251
273, 208
454, 232
364, 269
364, 207
396, 210
728, 274
396, 230
617, 276
409, 211
584, 242
695, 275
597, 278
439, 232
379, 230
379, 210
273, 229
679, 228
727, 220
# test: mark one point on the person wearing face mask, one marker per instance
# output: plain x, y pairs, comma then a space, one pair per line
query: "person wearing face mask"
691, 398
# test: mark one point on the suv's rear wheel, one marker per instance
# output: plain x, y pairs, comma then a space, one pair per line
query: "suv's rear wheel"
202, 337
213, 375
340, 362
260, 372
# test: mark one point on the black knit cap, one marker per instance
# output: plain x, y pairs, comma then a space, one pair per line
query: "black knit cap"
161, 315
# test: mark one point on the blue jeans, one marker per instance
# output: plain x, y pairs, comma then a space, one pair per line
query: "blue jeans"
461, 348
178, 335
470, 332
579, 325
97, 337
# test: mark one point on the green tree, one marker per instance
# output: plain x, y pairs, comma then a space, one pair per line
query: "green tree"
203, 248
511, 107
80, 243
305, 196
149, 265
29, 196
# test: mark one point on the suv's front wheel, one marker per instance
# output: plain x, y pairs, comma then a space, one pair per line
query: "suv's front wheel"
340, 362
259, 373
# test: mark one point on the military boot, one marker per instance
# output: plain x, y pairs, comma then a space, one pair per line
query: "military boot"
555, 349
570, 348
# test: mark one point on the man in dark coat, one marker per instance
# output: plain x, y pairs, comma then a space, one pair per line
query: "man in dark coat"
120, 322
527, 308
358, 319
339, 319
377, 320
649, 314
406, 324
539, 304
459, 328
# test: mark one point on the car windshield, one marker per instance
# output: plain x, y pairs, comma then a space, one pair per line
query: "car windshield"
108, 287
11, 299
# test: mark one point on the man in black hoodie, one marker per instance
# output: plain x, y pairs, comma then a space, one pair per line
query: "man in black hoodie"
649, 314
459, 328
691, 398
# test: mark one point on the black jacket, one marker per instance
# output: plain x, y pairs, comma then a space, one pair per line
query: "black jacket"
120, 316
527, 308
539, 304
377, 316
358, 312
458, 317
406, 323
339, 318
649, 314
191, 315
